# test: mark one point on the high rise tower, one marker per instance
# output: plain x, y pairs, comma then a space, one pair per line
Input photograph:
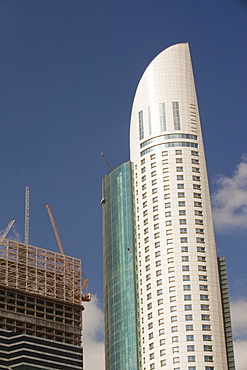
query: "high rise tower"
181, 320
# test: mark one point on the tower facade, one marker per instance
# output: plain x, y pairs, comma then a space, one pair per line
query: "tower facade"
182, 321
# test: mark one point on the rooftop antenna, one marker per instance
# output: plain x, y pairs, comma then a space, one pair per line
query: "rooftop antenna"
102, 155
27, 192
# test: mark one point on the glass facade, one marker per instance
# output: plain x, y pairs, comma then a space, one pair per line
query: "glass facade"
121, 325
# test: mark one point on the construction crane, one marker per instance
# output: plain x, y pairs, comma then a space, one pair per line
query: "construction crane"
85, 297
4, 234
27, 193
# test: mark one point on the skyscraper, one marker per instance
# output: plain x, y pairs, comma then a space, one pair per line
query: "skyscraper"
40, 308
179, 295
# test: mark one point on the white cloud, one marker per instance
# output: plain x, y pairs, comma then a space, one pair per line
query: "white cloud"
93, 344
239, 328
230, 200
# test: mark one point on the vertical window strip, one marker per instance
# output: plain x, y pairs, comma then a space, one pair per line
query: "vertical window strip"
149, 121
162, 117
176, 116
141, 126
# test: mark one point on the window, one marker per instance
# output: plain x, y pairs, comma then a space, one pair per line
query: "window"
206, 327
157, 244
185, 268
143, 161
167, 196
159, 302
204, 307
168, 214
171, 279
172, 289
183, 240
197, 195
171, 269
188, 307
170, 260
180, 177
174, 328
203, 277
149, 306
184, 249
208, 358
186, 287
201, 249
203, 287
153, 173
190, 348
162, 363
145, 213
161, 331
162, 117
200, 240
141, 126
150, 315
176, 116
195, 169
173, 308
152, 156
156, 226
148, 286
176, 360
187, 297
188, 317
156, 235
158, 272
150, 335
179, 169
197, 186
175, 349
209, 368
202, 268
207, 337
174, 318
143, 169
162, 342
192, 368
181, 195
185, 258
168, 205
180, 186
151, 346
159, 282
150, 326
182, 212
155, 199
154, 191
160, 311
198, 204
159, 291
157, 254
154, 182
149, 295
153, 164
181, 203
158, 263
201, 259
189, 327
204, 297
173, 298
191, 358
194, 152
182, 221
198, 213
169, 223
155, 217
152, 366
208, 348
161, 321
186, 277
189, 338
178, 152
183, 231
148, 277
196, 178
179, 160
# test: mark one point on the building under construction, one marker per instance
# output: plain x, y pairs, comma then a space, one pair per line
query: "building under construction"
40, 308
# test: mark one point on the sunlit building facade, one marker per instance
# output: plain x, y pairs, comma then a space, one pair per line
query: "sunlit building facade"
181, 297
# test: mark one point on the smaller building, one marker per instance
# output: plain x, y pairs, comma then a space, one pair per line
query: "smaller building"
40, 308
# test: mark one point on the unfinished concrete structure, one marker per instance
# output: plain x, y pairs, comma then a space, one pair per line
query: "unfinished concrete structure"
40, 308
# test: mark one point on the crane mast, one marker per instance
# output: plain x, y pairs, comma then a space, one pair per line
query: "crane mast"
27, 193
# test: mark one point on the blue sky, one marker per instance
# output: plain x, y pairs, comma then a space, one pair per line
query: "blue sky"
69, 70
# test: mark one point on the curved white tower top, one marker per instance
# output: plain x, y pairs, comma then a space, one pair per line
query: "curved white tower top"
180, 301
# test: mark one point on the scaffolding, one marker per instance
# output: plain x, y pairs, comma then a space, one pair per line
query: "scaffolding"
39, 271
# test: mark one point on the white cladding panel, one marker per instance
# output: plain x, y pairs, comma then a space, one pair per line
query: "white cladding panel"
178, 273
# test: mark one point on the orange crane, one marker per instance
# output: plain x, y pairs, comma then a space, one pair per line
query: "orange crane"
85, 297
